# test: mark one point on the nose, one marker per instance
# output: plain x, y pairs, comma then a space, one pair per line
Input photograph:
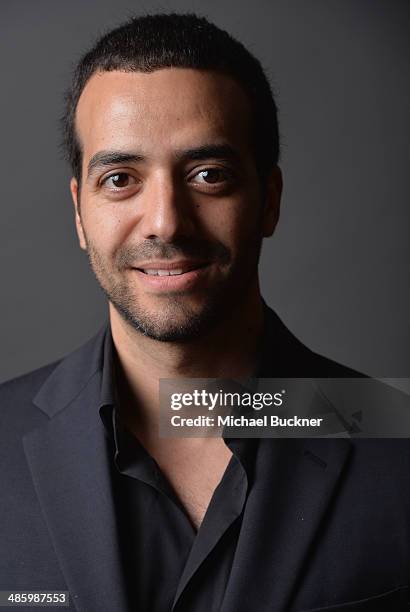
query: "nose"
167, 212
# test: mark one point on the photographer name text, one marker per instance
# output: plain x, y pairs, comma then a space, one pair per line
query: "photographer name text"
244, 421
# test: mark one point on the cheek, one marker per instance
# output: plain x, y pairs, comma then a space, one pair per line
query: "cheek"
234, 223
104, 231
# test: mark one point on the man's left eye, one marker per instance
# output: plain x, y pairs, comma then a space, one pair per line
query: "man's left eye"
210, 176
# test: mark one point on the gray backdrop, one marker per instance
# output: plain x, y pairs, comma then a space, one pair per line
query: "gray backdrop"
336, 270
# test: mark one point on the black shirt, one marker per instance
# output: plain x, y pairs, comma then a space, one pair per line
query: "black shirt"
167, 564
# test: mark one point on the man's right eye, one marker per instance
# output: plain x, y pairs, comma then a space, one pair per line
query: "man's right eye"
119, 180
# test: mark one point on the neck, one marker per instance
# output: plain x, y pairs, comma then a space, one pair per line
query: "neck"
229, 350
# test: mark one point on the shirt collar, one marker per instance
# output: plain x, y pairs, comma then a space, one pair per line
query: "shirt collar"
108, 391
108, 386
108, 407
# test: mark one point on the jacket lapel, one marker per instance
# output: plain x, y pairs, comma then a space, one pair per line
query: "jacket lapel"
69, 464
301, 479
274, 545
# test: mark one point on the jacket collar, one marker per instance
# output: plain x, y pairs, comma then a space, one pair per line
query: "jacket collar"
72, 375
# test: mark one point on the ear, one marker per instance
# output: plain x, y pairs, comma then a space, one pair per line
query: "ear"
78, 222
272, 201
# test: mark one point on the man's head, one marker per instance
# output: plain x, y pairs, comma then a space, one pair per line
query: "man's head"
171, 132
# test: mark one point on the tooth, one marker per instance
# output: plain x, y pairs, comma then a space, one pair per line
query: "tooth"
163, 272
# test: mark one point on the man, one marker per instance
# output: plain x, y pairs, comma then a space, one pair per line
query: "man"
171, 132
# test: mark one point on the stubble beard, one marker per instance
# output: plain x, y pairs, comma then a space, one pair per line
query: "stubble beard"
175, 321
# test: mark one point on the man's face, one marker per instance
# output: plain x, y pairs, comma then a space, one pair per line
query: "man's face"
171, 210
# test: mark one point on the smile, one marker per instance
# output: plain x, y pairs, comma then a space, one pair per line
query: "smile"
177, 276
163, 272
170, 268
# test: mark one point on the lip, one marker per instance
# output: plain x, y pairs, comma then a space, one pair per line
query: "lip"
193, 275
183, 264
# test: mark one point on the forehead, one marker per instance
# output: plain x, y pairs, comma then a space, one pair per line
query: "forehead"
161, 111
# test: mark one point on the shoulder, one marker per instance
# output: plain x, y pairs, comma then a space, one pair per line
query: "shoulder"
322, 366
26, 384
21, 389
283, 354
18, 414
23, 399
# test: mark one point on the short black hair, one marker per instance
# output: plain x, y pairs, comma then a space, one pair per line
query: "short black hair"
152, 42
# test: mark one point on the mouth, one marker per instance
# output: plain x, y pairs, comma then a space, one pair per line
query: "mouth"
170, 269
172, 276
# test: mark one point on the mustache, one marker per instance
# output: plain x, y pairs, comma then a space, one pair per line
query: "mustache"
198, 249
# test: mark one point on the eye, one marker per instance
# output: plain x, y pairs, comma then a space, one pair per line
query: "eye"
212, 176
120, 180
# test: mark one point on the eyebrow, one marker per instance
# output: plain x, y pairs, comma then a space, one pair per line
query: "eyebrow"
111, 158
217, 151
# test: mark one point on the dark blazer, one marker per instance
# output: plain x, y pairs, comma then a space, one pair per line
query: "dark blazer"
341, 507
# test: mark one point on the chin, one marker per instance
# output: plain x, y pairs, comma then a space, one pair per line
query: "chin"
174, 322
